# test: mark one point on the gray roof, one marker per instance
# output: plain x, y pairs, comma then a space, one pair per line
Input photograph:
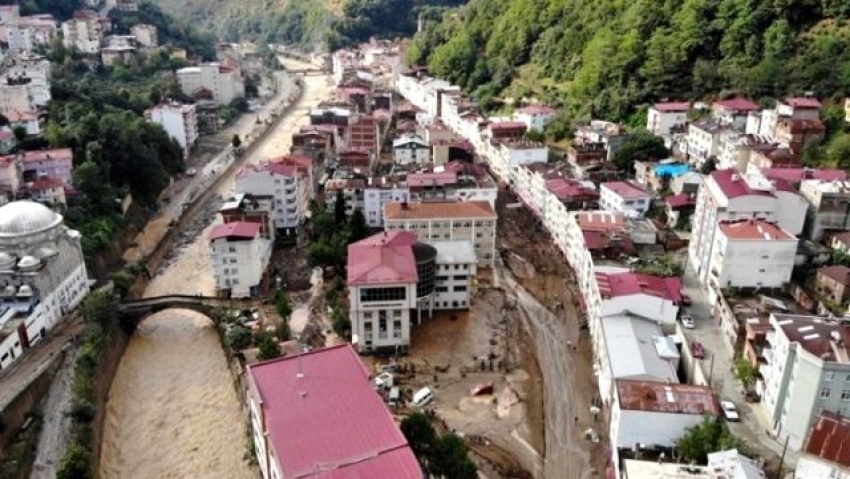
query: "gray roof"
24, 217
454, 252
632, 353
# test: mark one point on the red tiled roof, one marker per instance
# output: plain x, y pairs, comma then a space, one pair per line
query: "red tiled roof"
626, 284
627, 190
672, 106
732, 184
385, 258
829, 438
16, 116
803, 102
415, 180
325, 421
797, 175
45, 183
442, 210
235, 230
681, 200
601, 240
601, 221
508, 125
667, 398
63, 154
840, 274
753, 230
566, 189
737, 104
814, 334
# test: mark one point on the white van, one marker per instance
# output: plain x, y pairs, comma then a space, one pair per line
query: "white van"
423, 396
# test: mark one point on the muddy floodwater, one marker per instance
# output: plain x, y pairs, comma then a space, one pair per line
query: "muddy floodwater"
172, 410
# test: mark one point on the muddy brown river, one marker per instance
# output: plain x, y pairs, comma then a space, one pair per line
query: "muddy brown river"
173, 411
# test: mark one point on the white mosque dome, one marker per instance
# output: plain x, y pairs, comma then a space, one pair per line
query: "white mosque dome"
25, 217
43, 252
25, 291
6, 260
29, 262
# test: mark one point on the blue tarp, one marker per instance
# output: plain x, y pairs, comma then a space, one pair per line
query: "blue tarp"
671, 170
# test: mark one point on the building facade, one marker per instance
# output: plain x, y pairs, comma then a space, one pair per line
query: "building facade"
751, 254
224, 83
179, 121
239, 254
288, 181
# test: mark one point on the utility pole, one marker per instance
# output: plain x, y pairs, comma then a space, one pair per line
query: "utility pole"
782, 458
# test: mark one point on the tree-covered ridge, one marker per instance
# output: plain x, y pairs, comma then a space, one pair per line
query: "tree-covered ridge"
605, 57
314, 25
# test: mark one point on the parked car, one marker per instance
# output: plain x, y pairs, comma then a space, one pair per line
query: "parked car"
191, 172
697, 350
730, 412
394, 397
423, 396
687, 321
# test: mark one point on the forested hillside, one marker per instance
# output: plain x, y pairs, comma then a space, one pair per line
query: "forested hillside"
606, 57
313, 24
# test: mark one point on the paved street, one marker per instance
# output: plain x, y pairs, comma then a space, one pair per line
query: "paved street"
754, 425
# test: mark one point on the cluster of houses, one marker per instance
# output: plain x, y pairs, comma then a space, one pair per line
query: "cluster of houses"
752, 223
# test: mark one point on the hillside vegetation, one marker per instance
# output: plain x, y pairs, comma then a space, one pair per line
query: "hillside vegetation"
312, 24
607, 57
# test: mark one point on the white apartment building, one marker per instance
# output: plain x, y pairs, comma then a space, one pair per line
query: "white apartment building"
377, 193
733, 112
179, 121
393, 280
426, 93
735, 148
727, 195
85, 31
224, 83
473, 221
288, 180
411, 149
25, 33
44, 273
450, 184
663, 118
505, 155
829, 206
239, 254
703, 141
807, 372
146, 35
751, 254
535, 117
624, 197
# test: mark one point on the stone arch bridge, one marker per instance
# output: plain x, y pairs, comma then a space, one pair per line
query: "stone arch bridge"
138, 309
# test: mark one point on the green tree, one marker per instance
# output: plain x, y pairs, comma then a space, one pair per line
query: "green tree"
709, 165
238, 338
239, 104
640, 146
357, 225
745, 372
236, 142
420, 434
99, 308
20, 132
268, 348
339, 208
76, 463
711, 435
340, 323
282, 305
450, 458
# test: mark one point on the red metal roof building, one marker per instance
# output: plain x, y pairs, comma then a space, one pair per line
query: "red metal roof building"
829, 438
236, 231
316, 416
382, 259
672, 106
627, 284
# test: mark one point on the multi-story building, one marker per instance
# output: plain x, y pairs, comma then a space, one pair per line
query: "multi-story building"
807, 371
617, 290
796, 134
289, 181
222, 82
473, 221
379, 191
650, 414
394, 280
411, 149
44, 273
611, 135
451, 184
624, 197
146, 35
85, 31
251, 209
46, 163
751, 254
703, 141
833, 282
663, 118
20, 93
733, 112
829, 206
535, 117
239, 253
735, 149
328, 392
46, 190
728, 195
827, 451
26, 33
352, 187
179, 121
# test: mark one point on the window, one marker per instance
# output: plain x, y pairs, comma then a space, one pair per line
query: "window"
396, 313
397, 324
442, 278
458, 289
383, 294
368, 315
441, 289
845, 395
460, 278
232, 249
829, 376
824, 393
847, 378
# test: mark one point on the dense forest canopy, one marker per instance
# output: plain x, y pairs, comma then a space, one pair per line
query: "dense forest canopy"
607, 57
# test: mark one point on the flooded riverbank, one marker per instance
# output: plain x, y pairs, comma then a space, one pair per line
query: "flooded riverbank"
173, 411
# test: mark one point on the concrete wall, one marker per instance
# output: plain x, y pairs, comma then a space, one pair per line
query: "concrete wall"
16, 412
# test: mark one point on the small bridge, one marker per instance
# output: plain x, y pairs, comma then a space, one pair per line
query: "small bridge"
139, 308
